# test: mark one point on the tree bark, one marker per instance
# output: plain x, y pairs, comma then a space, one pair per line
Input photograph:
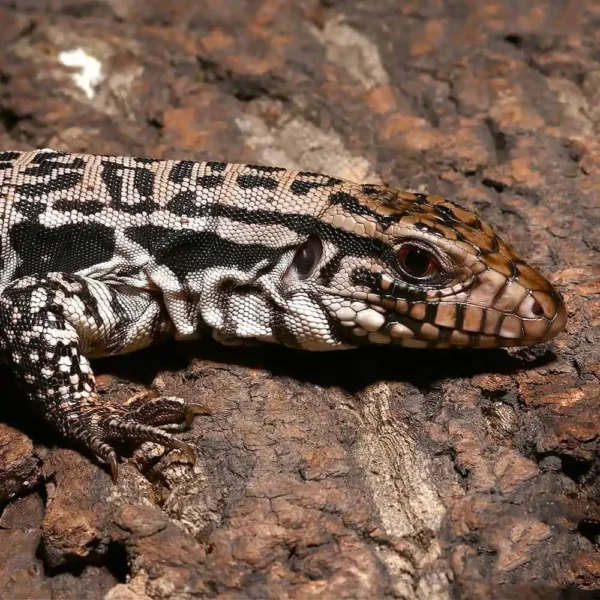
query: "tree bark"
362, 474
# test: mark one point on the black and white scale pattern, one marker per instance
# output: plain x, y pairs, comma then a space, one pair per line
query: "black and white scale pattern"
105, 255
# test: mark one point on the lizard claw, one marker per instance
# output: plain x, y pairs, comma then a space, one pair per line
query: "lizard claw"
114, 467
198, 409
193, 409
186, 449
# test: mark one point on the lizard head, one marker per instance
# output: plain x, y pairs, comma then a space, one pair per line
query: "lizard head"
390, 267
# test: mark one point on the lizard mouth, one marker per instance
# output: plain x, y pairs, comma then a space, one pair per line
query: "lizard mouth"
474, 316
468, 330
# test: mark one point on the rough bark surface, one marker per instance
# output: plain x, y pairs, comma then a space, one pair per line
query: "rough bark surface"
365, 474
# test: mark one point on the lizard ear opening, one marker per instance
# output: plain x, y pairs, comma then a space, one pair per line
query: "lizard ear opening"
307, 258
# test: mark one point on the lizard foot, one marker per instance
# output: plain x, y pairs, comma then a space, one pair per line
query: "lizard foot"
137, 421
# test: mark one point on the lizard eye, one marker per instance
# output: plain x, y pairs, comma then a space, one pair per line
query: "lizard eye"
307, 257
417, 263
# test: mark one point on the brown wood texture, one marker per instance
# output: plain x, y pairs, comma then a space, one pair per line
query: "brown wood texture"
363, 474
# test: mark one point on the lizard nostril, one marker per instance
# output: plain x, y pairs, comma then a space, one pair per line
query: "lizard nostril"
531, 308
536, 309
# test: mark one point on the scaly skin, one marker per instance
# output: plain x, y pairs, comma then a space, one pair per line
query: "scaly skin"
105, 255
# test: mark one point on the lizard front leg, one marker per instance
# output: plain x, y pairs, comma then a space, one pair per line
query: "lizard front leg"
50, 324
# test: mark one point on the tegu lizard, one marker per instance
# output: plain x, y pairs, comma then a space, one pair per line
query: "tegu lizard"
104, 255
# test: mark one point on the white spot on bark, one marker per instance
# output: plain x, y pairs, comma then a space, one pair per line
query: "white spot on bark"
89, 73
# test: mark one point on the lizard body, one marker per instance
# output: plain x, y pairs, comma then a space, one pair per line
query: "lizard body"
103, 255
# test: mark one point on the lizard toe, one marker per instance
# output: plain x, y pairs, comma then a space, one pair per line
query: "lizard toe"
163, 410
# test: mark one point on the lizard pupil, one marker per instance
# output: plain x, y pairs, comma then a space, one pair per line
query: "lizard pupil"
307, 257
417, 262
